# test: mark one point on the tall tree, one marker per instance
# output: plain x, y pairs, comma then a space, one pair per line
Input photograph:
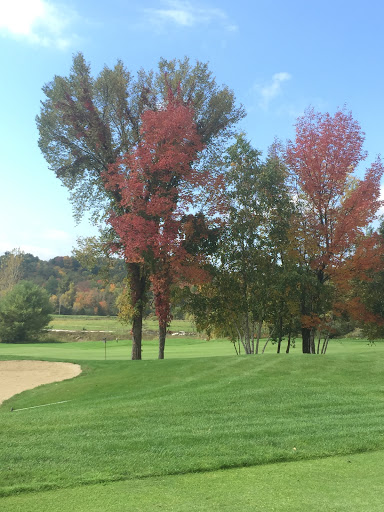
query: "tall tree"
154, 184
253, 241
335, 209
86, 124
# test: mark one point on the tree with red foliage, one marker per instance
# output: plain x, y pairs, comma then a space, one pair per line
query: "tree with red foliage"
335, 209
88, 122
155, 184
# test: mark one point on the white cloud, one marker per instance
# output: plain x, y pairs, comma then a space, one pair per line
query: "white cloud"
46, 243
44, 253
271, 90
186, 14
38, 22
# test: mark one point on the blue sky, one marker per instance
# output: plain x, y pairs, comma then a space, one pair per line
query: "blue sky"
279, 57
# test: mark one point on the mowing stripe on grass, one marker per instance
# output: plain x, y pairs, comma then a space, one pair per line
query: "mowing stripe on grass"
43, 405
351, 483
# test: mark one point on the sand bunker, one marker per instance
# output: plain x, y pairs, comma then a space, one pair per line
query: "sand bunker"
17, 376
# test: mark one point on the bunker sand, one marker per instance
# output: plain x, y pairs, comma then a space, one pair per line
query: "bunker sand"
18, 376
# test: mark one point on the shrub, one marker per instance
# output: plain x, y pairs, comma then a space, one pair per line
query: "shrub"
24, 311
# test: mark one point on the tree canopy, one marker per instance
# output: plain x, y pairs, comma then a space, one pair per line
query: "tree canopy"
332, 244
24, 311
88, 124
154, 154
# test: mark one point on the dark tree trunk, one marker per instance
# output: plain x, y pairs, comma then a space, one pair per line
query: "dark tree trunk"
306, 336
162, 336
258, 337
289, 343
312, 342
138, 283
280, 334
137, 331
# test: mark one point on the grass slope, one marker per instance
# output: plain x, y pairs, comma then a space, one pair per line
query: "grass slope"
136, 419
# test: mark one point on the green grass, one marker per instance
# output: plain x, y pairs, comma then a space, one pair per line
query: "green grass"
106, 323
175, 348
352, 484
193, 432
138, 419
118, 350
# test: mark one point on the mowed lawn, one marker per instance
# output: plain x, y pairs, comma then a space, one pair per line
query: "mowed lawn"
111, 323
219, 432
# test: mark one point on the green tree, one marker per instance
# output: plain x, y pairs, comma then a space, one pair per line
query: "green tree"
68, 298
24, 311
252, 248
52, 285
87, 123
10, 270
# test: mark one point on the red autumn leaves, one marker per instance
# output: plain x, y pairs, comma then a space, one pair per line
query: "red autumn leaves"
154, 184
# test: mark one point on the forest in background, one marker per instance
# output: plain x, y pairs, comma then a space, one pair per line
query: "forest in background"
72, 288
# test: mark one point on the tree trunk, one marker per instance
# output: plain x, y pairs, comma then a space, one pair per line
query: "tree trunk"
259, 327
137, 331
138, 283
265, 344
162, 336
325, 345
280, 333
306, 336
289, 336
312, 342
253, 338
247, 337
289, 343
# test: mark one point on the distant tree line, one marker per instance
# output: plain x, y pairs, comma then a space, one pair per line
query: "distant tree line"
72, 289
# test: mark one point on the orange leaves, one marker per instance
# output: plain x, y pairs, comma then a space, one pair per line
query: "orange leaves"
359, 312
